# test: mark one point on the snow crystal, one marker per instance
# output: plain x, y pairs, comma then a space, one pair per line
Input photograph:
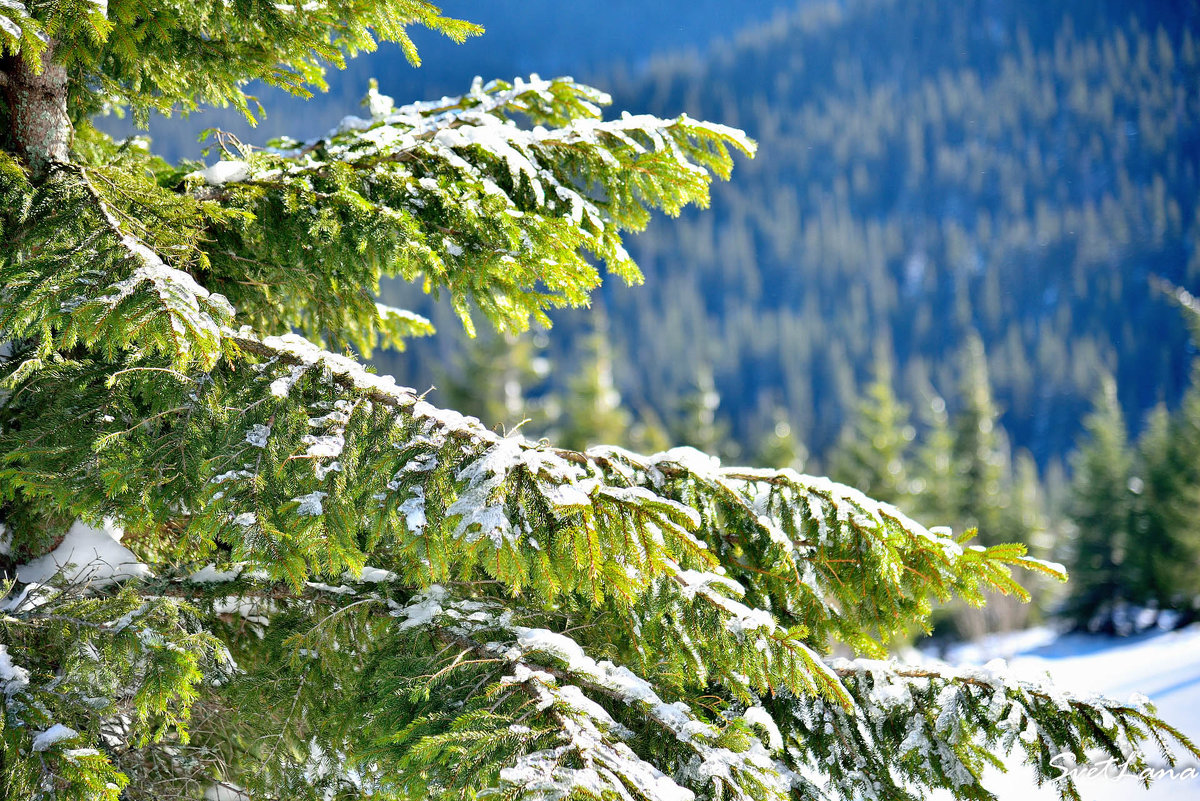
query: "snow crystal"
696, 580
413, 510
12, 677
380, 105
309, 356
78, 753
257, 435
123, 622
321, 470
225, 791
757, 716
696, 461
210, 575
8, 25
564, 496
86, 554
741, 619
254, 610
500, 138
341, 589
230, 475
640, 495
224, 172
1057, 567
479, 515
349, 123
423, 609
385, 312
281, 386
310, 504
324, 447
372, 575
777, 534
47, 739
176, 288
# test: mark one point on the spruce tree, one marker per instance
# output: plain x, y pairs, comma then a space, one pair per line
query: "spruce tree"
696, 424
873, 450
592, 412
296, 579
935, 486
1164, 532
1101, 507
491, 378
780, 447
980, 450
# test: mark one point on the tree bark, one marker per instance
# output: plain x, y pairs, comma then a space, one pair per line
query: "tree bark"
37, 102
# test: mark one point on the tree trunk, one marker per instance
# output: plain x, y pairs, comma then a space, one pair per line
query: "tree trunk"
37, 101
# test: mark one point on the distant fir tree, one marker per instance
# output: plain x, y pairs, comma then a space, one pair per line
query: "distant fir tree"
491, 380
696, 423
980, 451
873, 452
935, 483
965, 478
296, 579
1164, 532
780, 447
1166, 527
1101, 507
1135, 507
592, 413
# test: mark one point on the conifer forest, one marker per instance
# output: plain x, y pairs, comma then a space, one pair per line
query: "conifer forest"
790, 400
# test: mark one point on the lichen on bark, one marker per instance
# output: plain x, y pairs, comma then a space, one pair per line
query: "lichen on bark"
37, 105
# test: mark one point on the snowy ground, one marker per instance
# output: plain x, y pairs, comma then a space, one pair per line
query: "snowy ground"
1163, 666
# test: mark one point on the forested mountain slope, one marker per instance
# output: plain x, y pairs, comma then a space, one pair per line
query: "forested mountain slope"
926, 169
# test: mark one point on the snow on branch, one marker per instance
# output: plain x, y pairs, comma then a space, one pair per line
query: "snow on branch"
505, 197
818, 553
906, 728
102, 285
554, 669
924, 726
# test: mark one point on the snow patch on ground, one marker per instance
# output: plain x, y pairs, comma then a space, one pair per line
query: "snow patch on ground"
1165, 666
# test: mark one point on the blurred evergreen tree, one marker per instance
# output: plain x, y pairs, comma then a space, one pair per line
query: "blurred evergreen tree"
592, 413
1165, 533
697, 423
874, 447
780, 447
1101, 508
648, 433
935, 485
980, 450
492, 379
1166, 526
